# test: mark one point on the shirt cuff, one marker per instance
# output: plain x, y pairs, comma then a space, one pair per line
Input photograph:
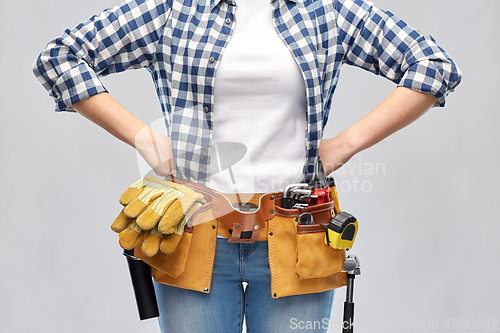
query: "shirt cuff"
77, 84
424, 77
428, 69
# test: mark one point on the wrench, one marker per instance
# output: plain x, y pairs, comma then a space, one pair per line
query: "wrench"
297, 193
293, 186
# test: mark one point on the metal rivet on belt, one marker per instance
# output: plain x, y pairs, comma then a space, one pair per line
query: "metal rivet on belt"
206, 290
214, 227
271, 211
296, 219
272, 197
216, 196
270, 233
275, 295
256, 226
237, 226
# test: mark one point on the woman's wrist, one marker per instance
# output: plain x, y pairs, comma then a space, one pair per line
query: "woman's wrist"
156, 149
335, 152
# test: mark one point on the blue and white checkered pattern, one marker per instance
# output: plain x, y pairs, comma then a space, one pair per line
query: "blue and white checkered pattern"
181, 43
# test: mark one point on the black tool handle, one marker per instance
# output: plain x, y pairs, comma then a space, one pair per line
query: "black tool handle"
140, 273
348, 322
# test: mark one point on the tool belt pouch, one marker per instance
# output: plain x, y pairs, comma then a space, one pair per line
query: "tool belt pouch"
314, 258
190, 265
299, 259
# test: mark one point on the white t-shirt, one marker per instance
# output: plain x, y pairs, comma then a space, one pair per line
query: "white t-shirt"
259, 114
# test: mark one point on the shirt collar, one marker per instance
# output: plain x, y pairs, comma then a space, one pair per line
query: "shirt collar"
215, 3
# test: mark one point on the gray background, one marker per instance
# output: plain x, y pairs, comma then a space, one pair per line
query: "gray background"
428, 239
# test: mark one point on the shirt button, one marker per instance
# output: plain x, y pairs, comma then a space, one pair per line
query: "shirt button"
212, 59
206, 109
202, 157
228, 21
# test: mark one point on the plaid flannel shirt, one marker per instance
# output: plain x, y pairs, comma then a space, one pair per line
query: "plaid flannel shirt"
182, 42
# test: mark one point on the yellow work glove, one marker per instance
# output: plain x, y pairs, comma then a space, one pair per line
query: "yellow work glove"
158, 210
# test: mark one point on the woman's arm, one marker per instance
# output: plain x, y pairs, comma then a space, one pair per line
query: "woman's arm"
105, 111
399, 109
120, 38
379, 42
71, 65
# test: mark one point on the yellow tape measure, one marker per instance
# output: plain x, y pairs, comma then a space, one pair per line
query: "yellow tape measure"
341, 231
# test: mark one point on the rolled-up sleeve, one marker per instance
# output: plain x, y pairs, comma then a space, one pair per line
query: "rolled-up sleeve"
381, 43
123, 37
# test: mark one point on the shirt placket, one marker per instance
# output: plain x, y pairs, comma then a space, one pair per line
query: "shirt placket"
199, 36
296, 24
222, 16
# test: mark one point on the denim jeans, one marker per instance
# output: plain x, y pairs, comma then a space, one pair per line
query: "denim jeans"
241, 289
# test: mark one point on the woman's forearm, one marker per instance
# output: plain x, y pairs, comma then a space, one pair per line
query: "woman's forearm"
402, 107
106, 112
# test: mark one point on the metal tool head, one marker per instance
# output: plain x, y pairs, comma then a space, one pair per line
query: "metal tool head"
318, 180
288, 188
306, 219
298, 193
300, 206
351, 265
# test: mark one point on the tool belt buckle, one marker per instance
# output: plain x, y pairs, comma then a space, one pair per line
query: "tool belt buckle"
244, 226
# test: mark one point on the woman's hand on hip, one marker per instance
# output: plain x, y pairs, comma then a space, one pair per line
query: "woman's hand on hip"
156, 149
106, 112
402, 107
334, 153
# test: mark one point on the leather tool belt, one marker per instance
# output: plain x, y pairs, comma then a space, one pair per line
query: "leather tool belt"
244, 227
299, 260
